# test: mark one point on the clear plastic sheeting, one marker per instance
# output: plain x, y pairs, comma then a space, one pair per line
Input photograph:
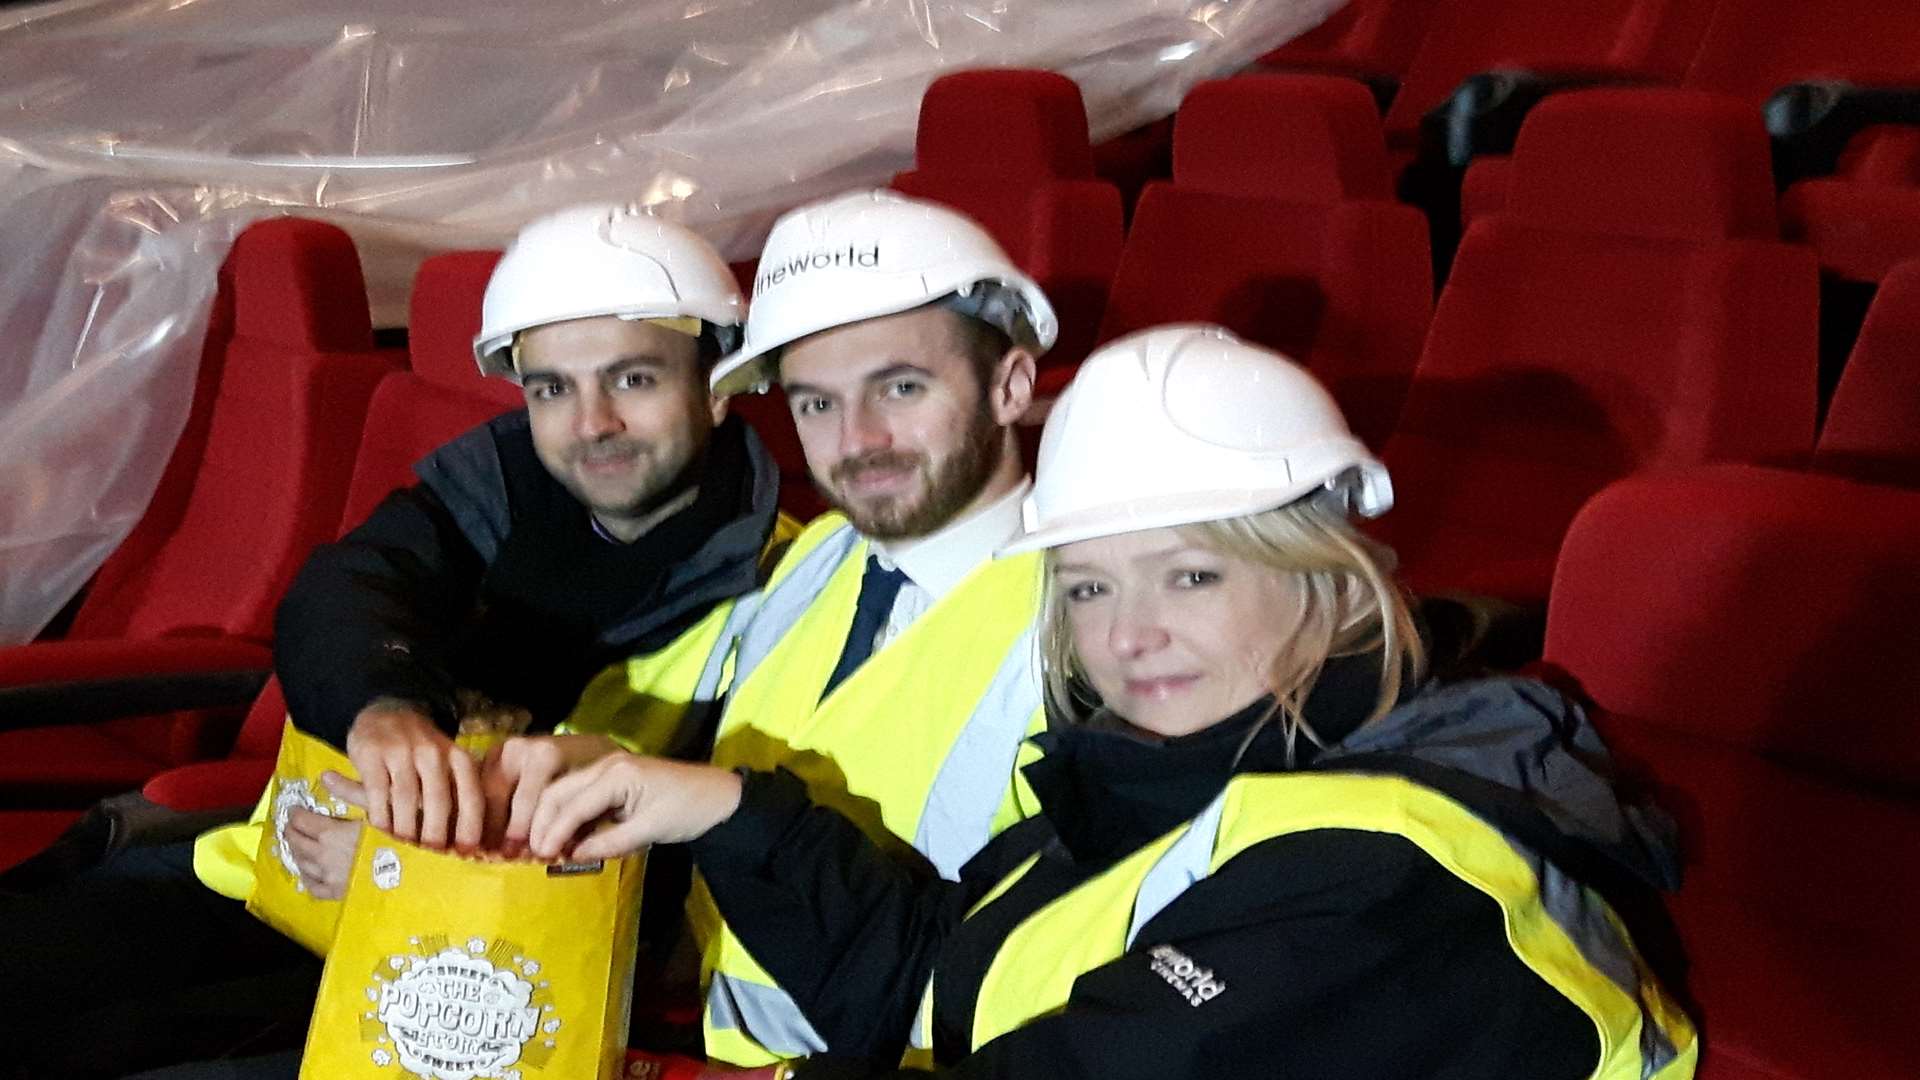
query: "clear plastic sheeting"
138, 137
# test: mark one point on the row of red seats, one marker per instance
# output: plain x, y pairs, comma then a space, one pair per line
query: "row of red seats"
1631, 306
297, 430
1422, 50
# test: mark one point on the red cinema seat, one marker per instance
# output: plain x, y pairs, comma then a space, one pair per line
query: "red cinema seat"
1872, 427
410, 414
181, 613
1746, 636
1754, 47
1864, 219
1304, 138
1859, 229
1628, 40
1624, 313
443, 394
1718, 136
1277, 225
1009, 148
1373, 40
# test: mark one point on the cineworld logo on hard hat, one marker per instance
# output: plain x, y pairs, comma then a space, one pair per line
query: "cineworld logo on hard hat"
817, 259
457, 1013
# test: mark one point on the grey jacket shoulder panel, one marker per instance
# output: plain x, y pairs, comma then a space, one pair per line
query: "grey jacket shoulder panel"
1524, 736
469, 478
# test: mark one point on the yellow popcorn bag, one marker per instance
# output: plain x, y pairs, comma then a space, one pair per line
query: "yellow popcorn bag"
455, 968
279, 898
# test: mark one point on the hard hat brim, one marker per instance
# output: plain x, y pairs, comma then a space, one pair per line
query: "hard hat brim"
1371, 497
493, 351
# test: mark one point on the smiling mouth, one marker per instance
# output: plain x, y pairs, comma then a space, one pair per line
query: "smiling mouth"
1163, 686
608, 461
878, 481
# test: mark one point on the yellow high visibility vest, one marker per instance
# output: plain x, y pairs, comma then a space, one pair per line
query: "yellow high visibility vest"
1564, 932
918, 746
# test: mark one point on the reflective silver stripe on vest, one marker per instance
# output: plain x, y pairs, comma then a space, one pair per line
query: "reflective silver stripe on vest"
781, 606
921, 1036
766, 1013
1582, 915
957, 819
1188, 860
699, 714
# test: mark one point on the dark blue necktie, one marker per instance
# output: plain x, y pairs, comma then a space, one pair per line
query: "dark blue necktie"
877, 591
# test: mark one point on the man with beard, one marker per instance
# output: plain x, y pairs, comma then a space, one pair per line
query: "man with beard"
617, 519
891, 662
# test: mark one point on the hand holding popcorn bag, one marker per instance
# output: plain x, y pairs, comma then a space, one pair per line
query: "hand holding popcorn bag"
448, 967
279, 898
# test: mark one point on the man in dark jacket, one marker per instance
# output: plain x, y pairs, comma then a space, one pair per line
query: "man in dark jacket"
618, 513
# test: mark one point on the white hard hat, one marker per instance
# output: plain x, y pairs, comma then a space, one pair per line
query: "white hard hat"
606, 259
1182, 424
873, 253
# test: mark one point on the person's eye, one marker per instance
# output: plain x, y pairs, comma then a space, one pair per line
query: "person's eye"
632, 380
1082, 591
1194, 579
810, 406
545, 391
904, 388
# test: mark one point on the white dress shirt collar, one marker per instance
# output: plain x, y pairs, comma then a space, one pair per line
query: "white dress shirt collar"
939, 561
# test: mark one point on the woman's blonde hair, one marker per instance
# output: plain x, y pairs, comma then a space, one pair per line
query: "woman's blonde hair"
1350, 604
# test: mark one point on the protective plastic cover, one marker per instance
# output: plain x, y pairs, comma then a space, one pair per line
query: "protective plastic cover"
137, 137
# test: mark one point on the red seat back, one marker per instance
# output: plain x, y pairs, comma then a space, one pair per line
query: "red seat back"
1578, 342
1754, 47
265, 474
1269, 228
1304, 138
414, 412
1009, 149
1745, 634
1558, 363
1344, 289
1636, 39
1364, 37
1872, 429
1678, 164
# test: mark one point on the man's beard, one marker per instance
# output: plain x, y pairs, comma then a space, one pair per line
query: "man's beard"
944, 490
660, 482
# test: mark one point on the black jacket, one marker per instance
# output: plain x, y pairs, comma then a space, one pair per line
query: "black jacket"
1350, 954
489, 575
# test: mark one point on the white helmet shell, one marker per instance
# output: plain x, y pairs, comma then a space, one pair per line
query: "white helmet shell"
603, 259
1183, 424
873, 253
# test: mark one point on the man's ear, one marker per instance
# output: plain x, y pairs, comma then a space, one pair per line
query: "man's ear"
1012, 390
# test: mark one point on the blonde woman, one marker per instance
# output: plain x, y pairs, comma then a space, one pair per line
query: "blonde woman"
1264, 844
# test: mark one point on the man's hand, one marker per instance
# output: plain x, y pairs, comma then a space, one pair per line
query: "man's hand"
415, 783
323, 850
650, 800
517, 773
